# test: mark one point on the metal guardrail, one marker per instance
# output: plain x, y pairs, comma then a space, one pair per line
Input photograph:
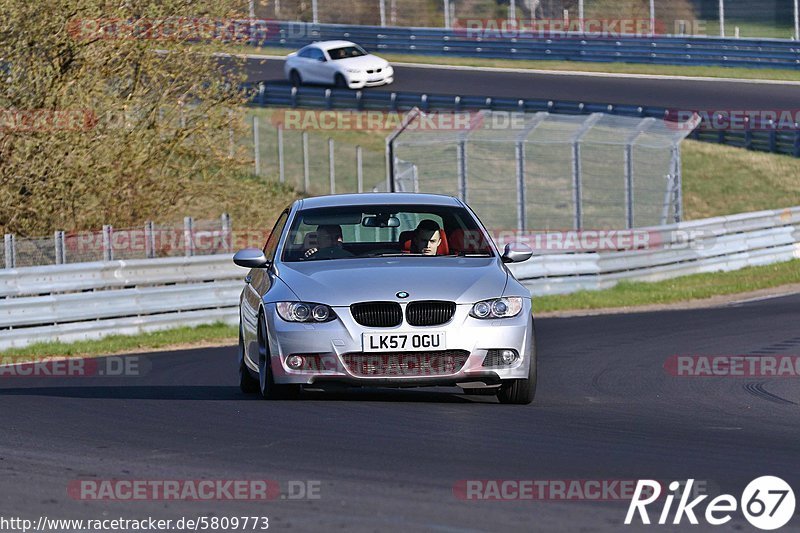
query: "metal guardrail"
263, 94
90, 300
703, 51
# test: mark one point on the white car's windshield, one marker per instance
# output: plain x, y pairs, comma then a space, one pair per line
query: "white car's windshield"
345, 52
394, 230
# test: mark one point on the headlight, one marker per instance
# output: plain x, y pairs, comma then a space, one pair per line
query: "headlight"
353, 70
305, 312
497, 308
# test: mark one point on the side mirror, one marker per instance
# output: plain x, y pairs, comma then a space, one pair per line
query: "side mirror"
516, 253
250, 258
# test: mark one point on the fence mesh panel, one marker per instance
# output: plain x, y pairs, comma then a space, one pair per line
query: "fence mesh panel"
542, 171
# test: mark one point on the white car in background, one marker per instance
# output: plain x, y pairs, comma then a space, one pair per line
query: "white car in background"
341, 63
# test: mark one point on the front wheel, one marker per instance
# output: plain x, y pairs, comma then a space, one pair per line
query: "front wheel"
295, 79
339, 81
247, 383
520, 391
266, 382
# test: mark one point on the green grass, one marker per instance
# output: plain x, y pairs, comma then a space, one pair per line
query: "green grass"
694, 287
113, 344
723, 180
568, 66
749, 29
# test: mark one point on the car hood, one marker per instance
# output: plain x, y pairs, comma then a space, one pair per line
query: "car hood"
345, 281
368, 61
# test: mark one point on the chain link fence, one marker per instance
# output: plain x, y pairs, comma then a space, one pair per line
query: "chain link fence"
541, 171
151, 240
731, 18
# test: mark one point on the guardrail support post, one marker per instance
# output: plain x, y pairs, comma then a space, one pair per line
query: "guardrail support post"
359, 170
58, 241
256, 146
225, 223
520, 156
10, 250
149, 240
332, 165
188, 236
281, 168
306, 177
108, 242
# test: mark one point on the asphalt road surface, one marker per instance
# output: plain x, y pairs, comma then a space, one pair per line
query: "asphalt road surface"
680, 94
606, 409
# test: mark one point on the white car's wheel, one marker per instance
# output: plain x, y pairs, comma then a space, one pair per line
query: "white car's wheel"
339, 81
295, 79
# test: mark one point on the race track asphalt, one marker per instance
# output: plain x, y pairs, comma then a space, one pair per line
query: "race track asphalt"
671, 93
606, 409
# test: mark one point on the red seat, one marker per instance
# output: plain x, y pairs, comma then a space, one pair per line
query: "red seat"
467, 241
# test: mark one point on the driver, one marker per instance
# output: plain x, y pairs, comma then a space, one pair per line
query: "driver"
427, 238
328, 243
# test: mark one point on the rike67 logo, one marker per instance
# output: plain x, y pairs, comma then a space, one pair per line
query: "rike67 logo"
767, 502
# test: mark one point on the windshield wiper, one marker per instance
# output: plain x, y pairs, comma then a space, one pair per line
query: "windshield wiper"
398, 254
474, 254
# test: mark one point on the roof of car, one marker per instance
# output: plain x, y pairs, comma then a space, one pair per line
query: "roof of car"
327, 45
379, 198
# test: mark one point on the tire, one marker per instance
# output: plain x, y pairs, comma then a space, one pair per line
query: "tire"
266, 383
247, 383
520, 391
295, 79
339, 82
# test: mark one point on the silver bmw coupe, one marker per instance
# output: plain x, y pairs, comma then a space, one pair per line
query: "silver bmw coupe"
384, 290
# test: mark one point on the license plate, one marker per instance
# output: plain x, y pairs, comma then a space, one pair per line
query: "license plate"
403, 342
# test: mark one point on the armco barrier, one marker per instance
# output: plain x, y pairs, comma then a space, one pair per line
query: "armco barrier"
280, 95
704, 51
90, 300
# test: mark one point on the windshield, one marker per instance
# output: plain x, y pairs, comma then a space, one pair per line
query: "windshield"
395, 230
345, 52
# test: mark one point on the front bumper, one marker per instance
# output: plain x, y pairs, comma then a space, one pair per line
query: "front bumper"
332, 341
361, 80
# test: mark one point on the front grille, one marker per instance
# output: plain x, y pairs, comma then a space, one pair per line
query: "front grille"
377, 314
430, 313
410, 364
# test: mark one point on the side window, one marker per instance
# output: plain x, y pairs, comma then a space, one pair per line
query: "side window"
272, 242
317, 54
